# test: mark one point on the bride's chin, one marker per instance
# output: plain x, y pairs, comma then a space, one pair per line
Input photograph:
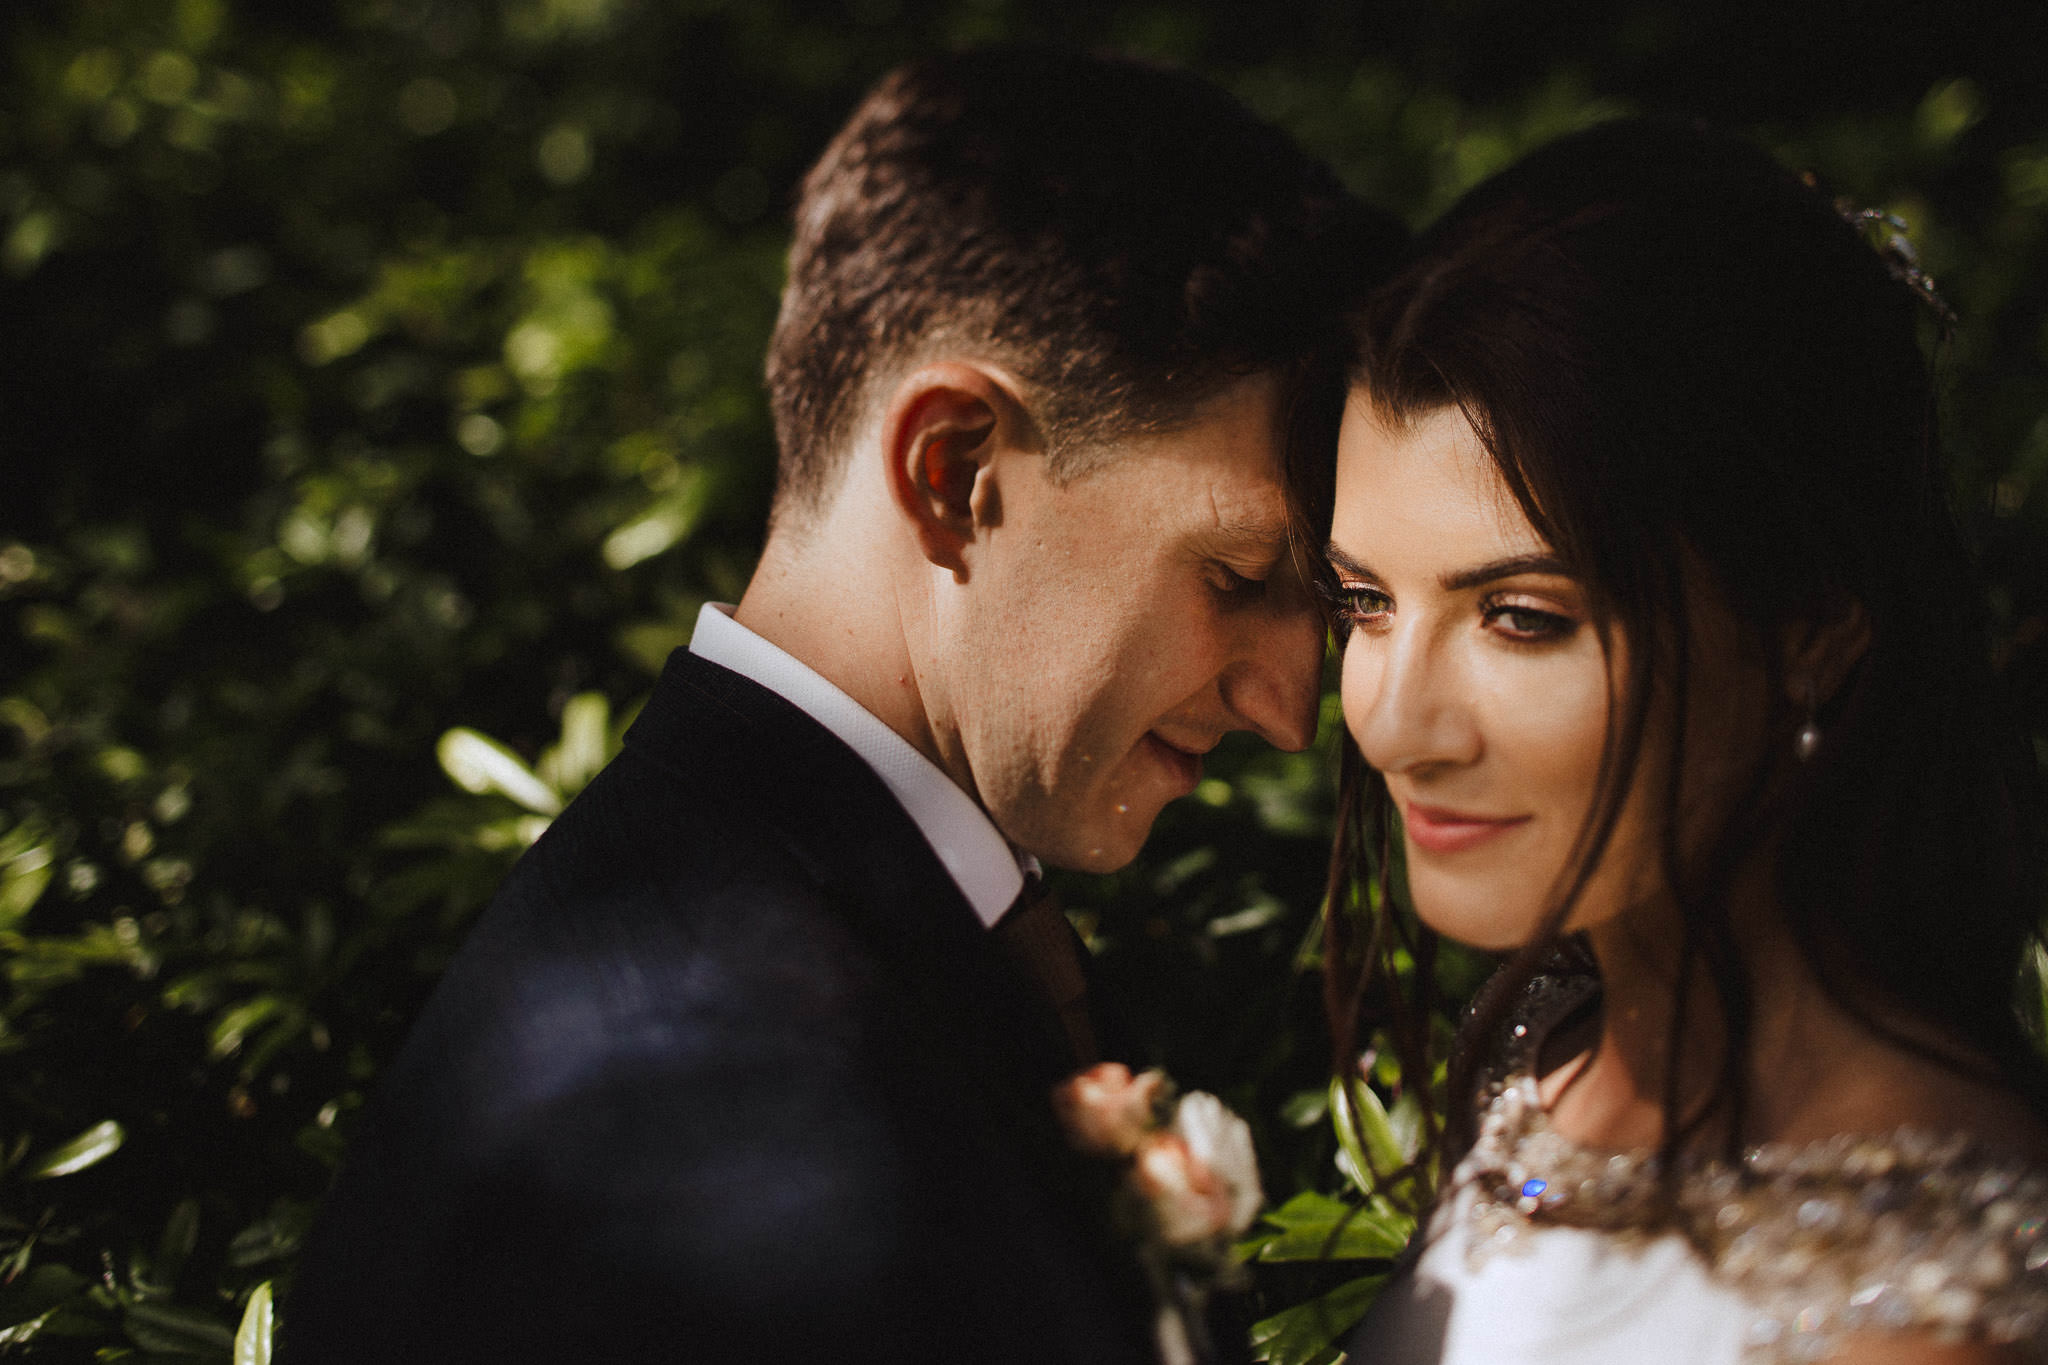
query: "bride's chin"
1477, 919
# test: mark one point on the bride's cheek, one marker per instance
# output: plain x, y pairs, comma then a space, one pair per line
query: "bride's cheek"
1579, 737
1358, 684
1548, 731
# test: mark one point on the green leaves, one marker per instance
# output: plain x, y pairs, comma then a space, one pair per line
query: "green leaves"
666, 523
173, 1330
174, 1247
252, 1337
1313, 1333
479, 764
434, 401
1317, 1227
587, 743
29, 1302
89, 1148
1314, 1227
27, 862
1374, 1142
482, 766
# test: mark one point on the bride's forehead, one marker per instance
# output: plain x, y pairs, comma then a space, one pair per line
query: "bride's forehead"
1436, 448
1427, 487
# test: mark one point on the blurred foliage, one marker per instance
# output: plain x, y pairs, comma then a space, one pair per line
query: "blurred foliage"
381, 399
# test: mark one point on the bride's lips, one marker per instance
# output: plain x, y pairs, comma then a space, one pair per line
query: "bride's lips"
1437, 829
1184, 764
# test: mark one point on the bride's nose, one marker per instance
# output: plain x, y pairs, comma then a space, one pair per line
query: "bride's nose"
1405, 701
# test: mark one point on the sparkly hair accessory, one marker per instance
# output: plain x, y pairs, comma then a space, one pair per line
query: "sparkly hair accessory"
1886, 232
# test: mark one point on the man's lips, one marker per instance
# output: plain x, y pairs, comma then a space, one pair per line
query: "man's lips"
1184, 763
1438, 829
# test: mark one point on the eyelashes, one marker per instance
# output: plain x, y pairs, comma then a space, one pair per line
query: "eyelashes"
1354, 606
1528, 624
1350, 606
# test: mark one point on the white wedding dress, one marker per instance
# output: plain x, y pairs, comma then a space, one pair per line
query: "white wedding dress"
1576, 1295
1548, 1253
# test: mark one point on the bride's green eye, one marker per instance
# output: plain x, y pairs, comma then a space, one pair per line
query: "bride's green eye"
1359, 606
1527, 624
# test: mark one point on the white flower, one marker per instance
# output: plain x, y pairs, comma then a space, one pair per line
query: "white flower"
1193, 1182
1222, 1142
1189, 1205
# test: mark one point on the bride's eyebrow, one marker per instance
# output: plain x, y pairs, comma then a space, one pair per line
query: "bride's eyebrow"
1502, 568
1344, 563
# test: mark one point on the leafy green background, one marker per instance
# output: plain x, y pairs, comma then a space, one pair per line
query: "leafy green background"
379, 376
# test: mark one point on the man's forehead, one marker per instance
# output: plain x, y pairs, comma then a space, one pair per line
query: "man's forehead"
1245, 502
1216, 480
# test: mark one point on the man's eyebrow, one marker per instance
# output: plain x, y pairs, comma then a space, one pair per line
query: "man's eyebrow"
1252, 534
1540, 562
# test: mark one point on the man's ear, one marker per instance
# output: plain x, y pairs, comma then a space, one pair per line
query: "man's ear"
1822, 649
941, 432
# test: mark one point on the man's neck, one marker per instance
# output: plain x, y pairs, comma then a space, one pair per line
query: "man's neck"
839, 614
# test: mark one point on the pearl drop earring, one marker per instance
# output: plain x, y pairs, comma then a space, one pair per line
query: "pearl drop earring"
1806, 743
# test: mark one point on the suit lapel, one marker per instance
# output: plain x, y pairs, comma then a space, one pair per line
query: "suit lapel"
838, 819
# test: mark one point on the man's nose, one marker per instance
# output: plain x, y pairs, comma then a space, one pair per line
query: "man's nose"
1274, 681
1404, 702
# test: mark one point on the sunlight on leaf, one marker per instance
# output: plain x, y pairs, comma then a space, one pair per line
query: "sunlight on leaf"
89, 1148
480, 764
1365, 1139
33, 1301
252, 1338
1950, 109
2040, 967
585, 745
1305, 1108
234, 1025
26, 866
663, 526
1263, 911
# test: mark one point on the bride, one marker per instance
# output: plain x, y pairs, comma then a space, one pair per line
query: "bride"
1667, 678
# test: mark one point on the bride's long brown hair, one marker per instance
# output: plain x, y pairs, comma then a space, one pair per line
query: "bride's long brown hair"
1684, 360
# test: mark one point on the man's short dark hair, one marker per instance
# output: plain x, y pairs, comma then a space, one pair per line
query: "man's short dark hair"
1126, 237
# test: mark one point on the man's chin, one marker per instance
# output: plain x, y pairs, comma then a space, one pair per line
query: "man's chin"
1098, 860
1107, 844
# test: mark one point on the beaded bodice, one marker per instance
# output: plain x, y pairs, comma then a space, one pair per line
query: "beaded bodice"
1908, 1231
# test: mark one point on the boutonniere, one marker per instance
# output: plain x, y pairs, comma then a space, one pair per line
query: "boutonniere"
1190, 1188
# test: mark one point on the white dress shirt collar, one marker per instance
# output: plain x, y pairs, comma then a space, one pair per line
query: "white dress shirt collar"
973, 850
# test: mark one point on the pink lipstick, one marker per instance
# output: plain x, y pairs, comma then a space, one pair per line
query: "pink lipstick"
1436, 829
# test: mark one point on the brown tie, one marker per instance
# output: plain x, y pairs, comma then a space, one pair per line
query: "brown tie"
1036, 935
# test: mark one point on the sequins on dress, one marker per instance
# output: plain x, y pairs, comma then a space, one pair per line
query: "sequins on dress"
1906, 1231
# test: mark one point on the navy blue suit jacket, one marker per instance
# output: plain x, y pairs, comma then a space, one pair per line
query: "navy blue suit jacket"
728, 1071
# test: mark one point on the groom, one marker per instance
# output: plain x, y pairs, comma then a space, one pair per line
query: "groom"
749, 1059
